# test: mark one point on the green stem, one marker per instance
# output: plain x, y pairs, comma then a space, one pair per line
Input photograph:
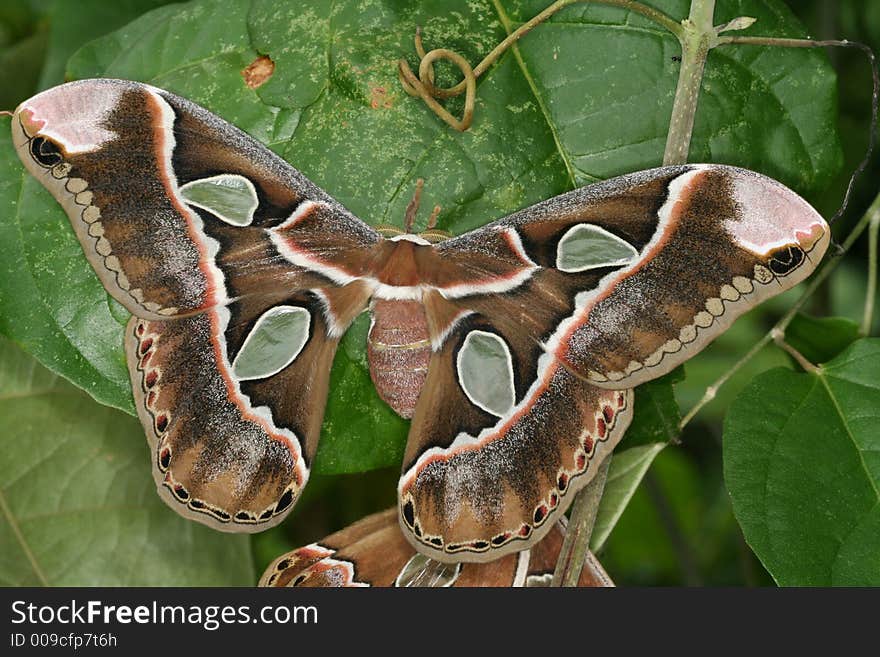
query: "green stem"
780, 42
780, 326
650, 13
576, 545
778, 336
697, 39
871, 294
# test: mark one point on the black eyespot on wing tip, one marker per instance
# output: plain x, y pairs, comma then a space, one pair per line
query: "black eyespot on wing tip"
786, 259
46, 153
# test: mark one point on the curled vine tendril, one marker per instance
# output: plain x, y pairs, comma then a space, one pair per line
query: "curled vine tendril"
422, 86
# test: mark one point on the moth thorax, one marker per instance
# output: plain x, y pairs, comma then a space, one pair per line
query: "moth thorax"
398, 350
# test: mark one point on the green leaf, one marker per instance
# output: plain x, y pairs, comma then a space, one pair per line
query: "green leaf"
610, 103
627, 470
657, 414
78, 506
679, 528
654, 425
802, 463
819, 339
73, 24
360, 430
548, 117
20, 64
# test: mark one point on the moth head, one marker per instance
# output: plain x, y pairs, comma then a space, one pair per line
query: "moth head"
431, 234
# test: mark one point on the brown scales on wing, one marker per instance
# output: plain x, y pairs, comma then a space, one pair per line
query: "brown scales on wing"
373, 551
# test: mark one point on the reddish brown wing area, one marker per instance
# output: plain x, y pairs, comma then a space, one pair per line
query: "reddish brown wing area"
497, 490
727, 240
229, 453
373, 552
114, 154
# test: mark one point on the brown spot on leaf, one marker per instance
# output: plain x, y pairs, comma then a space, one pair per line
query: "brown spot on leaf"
379, 98
258, 71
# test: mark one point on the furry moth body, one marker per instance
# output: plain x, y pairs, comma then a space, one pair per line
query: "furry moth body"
514, 347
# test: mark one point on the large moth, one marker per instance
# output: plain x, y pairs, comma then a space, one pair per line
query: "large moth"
373, 552
515, 347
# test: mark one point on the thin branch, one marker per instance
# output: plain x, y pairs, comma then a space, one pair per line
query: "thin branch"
778, 336
576, 545
694, 38
871, 293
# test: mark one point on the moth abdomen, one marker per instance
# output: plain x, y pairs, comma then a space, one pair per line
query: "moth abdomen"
398, 351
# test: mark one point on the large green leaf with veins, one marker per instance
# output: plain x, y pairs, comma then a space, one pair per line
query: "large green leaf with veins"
582, 98
78, 507
802, 463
